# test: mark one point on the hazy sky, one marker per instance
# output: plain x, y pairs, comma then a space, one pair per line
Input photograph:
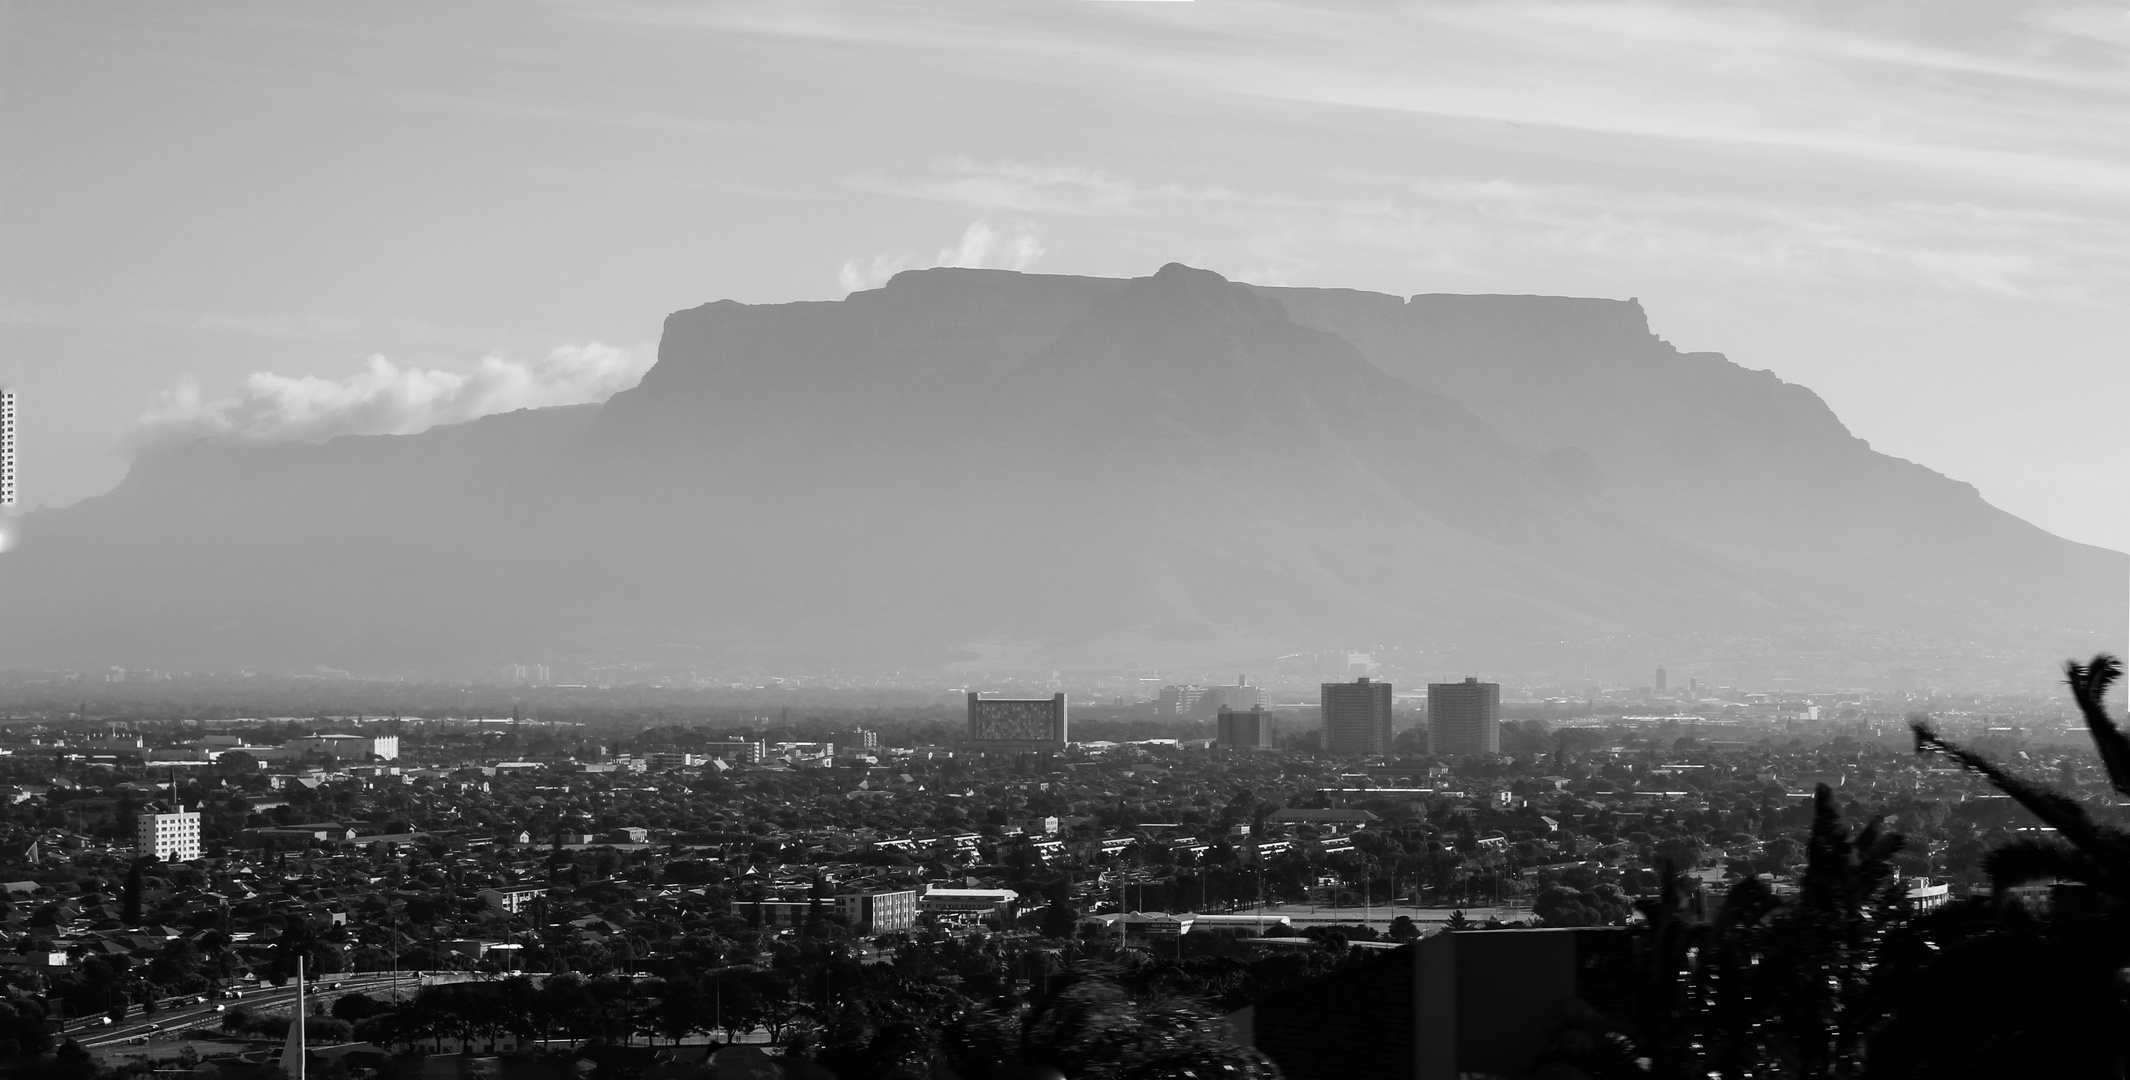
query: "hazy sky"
278, 221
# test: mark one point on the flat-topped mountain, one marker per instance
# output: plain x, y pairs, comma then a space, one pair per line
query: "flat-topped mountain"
1068, 472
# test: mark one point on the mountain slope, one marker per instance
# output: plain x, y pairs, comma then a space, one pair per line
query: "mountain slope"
1732, 460
1065, 472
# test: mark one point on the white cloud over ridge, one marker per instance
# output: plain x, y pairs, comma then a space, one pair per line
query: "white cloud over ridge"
386, 399
982, 246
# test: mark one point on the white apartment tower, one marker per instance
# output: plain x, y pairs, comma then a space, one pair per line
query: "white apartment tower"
7, 448
172, 837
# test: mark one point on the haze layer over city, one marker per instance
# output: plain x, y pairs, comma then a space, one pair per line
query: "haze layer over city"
608, 539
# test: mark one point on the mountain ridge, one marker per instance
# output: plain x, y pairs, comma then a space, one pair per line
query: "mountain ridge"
1065, 470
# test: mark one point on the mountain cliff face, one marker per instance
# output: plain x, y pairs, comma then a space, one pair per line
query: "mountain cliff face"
1737, 463
1066, 472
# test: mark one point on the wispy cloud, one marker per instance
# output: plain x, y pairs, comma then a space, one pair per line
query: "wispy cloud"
1023, 188
385, 398
309, 326
2003, 99
16, 309
1977, 149
1955, 246
1500, 225
630, 119
982, 246
2030, 96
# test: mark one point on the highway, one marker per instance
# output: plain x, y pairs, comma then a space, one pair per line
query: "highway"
167, 1023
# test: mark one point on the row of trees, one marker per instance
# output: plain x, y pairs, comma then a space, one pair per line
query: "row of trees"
971, 1007
611, 1009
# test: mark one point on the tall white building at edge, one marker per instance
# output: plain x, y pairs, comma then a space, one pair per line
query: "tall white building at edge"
7, 447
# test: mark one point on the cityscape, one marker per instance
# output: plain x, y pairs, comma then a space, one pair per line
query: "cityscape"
916, 540
450, 881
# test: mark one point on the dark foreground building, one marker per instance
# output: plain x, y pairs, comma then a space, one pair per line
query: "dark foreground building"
1474, 1002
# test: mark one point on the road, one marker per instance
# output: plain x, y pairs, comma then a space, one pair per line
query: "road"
266, 998
1381, 915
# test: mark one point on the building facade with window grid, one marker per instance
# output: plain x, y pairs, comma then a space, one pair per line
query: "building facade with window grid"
171, 837
7, 448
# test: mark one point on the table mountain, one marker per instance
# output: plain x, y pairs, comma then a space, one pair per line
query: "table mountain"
1067, 472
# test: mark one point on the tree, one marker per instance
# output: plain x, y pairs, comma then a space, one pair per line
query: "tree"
131, 912
74, 1062
1683, 852
299, 939
735, 1004
327, 1030
1059, 920
2055, 976
1768, 987
237, 1019
23, 1027
176, 966
1022, 860
679, 1009
1092, 1028
776, 1002
1824, 942
353, 1007
563, 1002
816, 900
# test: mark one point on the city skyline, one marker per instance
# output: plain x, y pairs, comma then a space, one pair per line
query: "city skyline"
888, 539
